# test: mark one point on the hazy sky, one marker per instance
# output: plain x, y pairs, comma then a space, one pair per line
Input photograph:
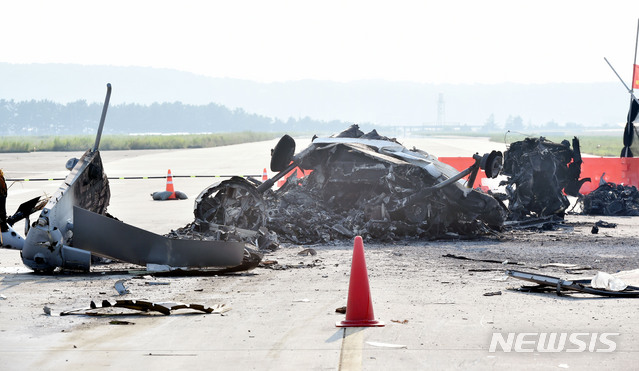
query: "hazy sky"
446, 41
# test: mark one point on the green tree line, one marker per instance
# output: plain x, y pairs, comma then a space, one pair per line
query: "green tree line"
44, 117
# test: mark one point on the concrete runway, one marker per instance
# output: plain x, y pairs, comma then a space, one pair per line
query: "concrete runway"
435, 312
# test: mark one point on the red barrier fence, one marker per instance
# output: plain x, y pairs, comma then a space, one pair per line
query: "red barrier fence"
617, 170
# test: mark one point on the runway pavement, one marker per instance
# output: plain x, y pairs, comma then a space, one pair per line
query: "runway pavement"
435, 310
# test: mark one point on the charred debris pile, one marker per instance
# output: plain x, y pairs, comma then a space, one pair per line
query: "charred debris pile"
611, 199
356, 190
359, 184
540, 174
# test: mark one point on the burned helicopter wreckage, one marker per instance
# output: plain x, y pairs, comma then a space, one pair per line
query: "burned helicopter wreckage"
540, 175
358, 184
73, 225
612, 199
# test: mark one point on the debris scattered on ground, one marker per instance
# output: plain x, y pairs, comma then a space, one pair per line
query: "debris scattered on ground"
47, 310
604, 224
612, 200
563, 287
307, 252
545, 223
274, 265
120, 322
568, 268
540, 175
494, 293
119, 287
107, 308
341, 310
482, 260
400, 322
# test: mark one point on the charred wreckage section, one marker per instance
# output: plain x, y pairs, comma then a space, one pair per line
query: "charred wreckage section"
540, 174
359, 184
355, 190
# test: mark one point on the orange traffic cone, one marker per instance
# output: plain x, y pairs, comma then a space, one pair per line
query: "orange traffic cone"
264, 175
169, 185
359, 307
170, 193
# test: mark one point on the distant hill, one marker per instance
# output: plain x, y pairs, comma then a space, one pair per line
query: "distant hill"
377, 102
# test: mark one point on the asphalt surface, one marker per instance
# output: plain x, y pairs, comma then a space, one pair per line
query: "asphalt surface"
435, 310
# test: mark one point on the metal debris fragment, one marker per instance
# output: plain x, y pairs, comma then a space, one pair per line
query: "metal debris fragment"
307, 252
106, 308
119, 287
120, 322
494, 293
561, 287
503, 262
112, 238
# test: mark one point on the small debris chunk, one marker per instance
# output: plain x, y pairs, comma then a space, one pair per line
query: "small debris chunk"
603, 224
398, 321
307, 252
119, 322
494, 293
119, 287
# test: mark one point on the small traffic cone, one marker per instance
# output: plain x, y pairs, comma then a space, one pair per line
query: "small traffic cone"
169, 185
359, 307
264, 175
170, 193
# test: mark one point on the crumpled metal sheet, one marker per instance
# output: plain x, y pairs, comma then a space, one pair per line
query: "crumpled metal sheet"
612, 200
354, 189
539, 173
